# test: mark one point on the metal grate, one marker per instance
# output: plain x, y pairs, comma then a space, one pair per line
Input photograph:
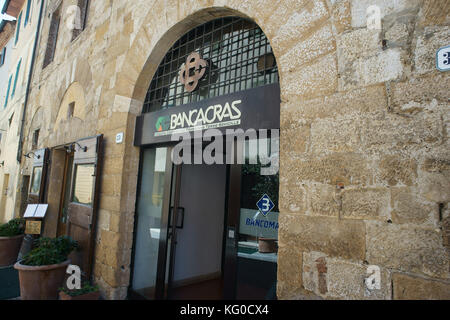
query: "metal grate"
239, 57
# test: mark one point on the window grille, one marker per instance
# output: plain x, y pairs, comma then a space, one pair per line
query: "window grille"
238, 54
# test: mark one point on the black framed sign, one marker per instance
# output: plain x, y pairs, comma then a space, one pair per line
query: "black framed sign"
257, 108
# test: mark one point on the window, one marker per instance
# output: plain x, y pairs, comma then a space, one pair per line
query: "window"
2, 56
83, 5
238, 56
7, 91
35, 141
19, 20
84, 184
27, 14
15, 79
52, 37
70, 110
36, 182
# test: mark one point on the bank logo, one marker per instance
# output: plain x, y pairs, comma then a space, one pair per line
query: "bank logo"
192, 71
265, 205
162, 124
443, 59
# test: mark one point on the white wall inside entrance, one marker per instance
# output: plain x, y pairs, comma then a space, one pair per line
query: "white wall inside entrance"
199, 247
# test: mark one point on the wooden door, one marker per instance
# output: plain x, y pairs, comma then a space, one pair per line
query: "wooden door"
36, 193
83, 203
65, 194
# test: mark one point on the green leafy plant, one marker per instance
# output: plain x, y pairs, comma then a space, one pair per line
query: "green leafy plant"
13, 228
50, 251
85, 288
261, 184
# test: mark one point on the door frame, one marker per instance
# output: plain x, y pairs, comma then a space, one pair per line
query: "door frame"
231, 219
171, 198
232, 226
161, 291
160, 287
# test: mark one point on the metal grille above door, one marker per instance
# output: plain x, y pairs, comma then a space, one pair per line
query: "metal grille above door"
238, 56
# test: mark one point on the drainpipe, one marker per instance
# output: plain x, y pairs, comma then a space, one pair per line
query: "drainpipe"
27, 92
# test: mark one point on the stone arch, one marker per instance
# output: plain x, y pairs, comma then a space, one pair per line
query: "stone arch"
284, 25
158, 32
134, 78
157, 47
74, 94
78, 74
37, 122
138, 69
69, 125
168, 39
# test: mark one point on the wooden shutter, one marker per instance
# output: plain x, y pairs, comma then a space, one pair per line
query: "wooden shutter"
2, 58
16, 78
19, 20
83, 5
52, 37
36, 191
27, 14
83, 203
7, 91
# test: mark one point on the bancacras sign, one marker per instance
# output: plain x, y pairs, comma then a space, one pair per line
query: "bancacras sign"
257, 108
215, 116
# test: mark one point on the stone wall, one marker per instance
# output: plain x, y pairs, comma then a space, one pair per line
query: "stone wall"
364, 177
369, 118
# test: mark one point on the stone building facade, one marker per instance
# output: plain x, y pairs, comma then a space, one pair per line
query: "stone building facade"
364, 153
6, 46
19, 53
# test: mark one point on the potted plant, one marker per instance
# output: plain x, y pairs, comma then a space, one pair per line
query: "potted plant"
266, 245
42, 270
86, 292
11, 236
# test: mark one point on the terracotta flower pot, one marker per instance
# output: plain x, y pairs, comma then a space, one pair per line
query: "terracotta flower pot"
41, 282
267, 245
87, 296
9, 249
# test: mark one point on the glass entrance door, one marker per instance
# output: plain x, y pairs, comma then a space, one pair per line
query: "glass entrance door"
196, 267
252, 235
151, 231
228, 211
178, 228
257, 239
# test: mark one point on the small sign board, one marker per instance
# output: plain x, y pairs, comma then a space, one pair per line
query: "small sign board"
33, 227
119, 137
36, 211
253, 223
29, 212
265, 204
41, 210
443, 59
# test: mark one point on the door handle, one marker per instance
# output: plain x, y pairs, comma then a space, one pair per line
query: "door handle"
171, 237
180, 220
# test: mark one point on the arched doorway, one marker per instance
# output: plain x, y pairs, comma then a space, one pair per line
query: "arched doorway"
208, 229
